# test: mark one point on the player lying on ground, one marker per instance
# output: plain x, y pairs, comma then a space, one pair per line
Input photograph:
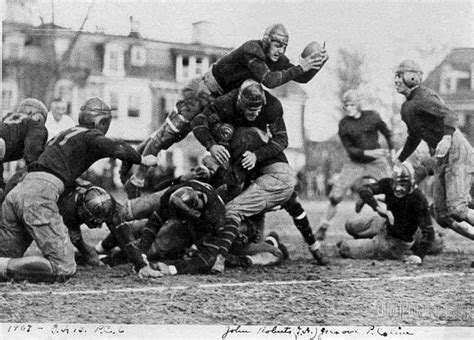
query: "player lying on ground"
262, 60
192, 213
391, 235
30, 211
429, 119
358, 131
250, 106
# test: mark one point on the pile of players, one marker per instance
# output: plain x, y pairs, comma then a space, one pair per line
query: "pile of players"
213, 217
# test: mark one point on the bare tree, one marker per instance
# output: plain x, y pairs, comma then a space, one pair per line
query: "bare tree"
350, 70
38, 79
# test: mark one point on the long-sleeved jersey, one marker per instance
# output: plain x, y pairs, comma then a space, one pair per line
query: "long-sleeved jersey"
360, 134
24, 138
225, 110
74, 150
249, 61
410, 212
207, 228
427, 118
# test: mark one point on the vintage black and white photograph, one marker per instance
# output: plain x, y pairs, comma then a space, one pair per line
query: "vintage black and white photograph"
237, 169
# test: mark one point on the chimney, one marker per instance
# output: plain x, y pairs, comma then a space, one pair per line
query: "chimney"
204, 33
134, 28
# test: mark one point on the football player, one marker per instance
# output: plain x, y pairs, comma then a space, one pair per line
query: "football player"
30, 210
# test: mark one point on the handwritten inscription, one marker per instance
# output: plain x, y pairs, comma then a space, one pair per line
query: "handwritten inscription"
313, 333
59, 329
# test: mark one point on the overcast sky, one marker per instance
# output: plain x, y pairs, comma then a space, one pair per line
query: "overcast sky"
385, 31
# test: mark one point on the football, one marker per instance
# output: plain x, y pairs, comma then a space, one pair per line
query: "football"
311, 48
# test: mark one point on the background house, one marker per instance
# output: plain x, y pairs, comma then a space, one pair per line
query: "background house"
141, 78
453, 79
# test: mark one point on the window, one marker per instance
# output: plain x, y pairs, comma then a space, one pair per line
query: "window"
14, 50
185, 67
134, 106
138, 56
61, 45
114, 104
14, 47
463, 84
113, 60
7, 96
447, 85
163, 112
199, 66
63, 90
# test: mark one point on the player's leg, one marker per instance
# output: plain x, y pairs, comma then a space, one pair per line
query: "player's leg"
301, 221
349, 173
440, 207
196, 96
34, 200
458, 179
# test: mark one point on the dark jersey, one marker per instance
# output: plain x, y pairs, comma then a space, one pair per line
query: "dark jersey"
250, 62
74, 150
212, 214
24, 138
207, 228
427, 118
225, 110
359, 134
409, 212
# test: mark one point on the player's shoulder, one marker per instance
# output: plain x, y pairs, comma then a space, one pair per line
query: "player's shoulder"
344, 122
385, 182
371, 114
226, 101
254, 48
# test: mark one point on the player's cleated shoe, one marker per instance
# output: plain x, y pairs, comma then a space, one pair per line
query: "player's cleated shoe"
274, 239
321, 232
318, 255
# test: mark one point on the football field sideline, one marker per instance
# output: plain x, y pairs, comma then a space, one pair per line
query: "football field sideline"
232, 285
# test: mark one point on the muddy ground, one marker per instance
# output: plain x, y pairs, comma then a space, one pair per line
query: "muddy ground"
347, 292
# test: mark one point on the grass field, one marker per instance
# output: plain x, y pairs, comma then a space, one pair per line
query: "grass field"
347, 292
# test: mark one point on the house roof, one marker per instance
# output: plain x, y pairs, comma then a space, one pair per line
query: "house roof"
460, 59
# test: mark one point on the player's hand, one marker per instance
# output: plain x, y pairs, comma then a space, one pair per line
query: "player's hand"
124, 170
393, 156
443, 146
249, 160
133, 188
376, 153
382, 211
149, 160
164, 268
148, 272
220, 153
312, 61
413, 259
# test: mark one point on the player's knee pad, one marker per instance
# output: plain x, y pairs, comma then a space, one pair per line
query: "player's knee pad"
335, 200
344, 250
444, 221
459, 213
293, 206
